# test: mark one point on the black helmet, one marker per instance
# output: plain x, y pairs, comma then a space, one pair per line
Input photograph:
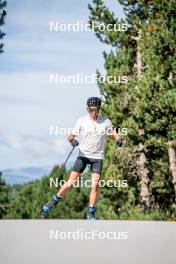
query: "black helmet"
94, 101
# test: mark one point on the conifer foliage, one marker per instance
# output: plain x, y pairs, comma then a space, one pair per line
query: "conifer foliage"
146, 105
3, 13
4, 197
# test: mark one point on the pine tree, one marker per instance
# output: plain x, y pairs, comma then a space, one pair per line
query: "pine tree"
4, 197
146, 104
159, 51
125, 60
3, 13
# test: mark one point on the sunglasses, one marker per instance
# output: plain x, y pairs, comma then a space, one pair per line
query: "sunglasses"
94, 109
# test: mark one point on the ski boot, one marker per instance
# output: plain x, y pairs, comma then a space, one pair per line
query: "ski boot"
48, 206
91, 213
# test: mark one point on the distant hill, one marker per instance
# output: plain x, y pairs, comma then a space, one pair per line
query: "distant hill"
24, 175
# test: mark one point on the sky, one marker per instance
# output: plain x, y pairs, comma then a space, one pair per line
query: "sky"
29, 104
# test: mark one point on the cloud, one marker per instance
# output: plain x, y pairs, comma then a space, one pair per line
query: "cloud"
31, 106
42, 98
32, 150
28, 103
33, 145
54, 54
29, 44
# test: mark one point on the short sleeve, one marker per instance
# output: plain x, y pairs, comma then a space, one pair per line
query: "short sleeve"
76, 130
109, 127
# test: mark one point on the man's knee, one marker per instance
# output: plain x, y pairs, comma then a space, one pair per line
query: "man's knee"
95, 181
73, 177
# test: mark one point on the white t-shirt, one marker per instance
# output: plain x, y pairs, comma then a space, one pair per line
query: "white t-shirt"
93, 135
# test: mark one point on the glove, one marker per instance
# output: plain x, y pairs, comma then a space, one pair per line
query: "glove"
119, 143
74, 142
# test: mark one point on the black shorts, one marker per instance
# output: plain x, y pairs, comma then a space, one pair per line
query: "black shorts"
82, 162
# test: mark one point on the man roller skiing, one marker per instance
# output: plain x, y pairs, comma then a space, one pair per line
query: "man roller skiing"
93, 129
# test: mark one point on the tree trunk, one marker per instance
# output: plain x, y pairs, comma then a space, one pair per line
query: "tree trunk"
139, 58
172, 163
138, 64
144, 182
142, 162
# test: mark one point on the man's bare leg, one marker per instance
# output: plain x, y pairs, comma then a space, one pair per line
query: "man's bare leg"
93, 196
94, 190
48, 206
73, 177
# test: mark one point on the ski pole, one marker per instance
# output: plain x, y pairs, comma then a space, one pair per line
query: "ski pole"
41, 214
68, 156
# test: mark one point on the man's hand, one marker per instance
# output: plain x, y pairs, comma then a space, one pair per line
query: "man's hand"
119, 142
74, 142
118, 138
